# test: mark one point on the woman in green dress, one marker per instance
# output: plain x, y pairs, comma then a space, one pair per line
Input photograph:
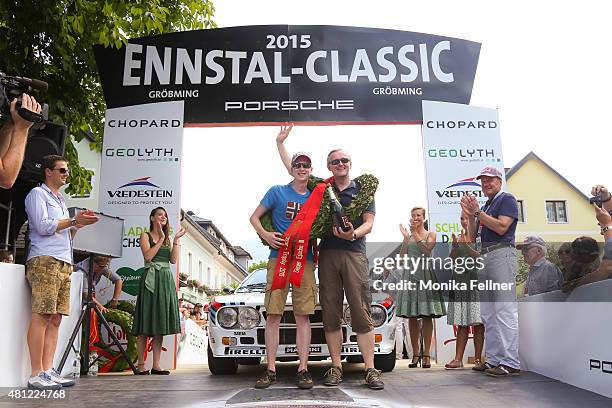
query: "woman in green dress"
419, 303
157, 312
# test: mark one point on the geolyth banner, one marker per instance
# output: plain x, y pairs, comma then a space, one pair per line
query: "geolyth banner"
259, 74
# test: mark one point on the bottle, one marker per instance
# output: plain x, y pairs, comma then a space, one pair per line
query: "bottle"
76, 367
338, 212
93, 364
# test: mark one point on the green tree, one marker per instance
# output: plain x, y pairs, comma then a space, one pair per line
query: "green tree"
257, 265
53, 41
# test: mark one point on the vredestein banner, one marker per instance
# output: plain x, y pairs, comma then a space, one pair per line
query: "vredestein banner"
141, 170
279, 73
458, 142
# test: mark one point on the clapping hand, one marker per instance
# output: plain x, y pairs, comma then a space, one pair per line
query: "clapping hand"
180, 233
469, 204
86, 217
404, 232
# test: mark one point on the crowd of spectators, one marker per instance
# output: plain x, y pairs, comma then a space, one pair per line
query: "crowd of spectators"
580, 261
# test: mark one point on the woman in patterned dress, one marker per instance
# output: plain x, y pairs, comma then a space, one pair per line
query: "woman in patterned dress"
419, 303
464, 305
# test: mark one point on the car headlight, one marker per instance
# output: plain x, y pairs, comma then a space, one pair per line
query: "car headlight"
227, 317
347, 315
379, 316
248, 318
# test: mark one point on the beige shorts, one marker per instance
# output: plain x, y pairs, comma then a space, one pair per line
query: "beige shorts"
303, 298
343, 273
49, 279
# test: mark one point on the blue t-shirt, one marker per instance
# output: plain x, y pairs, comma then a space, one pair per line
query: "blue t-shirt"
503, 204
285, 203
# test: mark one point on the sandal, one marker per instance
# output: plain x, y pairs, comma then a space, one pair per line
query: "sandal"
424, 364
140, 370
454, 365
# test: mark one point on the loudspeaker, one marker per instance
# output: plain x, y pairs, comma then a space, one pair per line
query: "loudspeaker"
51, 139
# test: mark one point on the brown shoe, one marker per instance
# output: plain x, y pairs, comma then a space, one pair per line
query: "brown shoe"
333, 376
373, 379
304, 380
481, 367
267, 379
502, 371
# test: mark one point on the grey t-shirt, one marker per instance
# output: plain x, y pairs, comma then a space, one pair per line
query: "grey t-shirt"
544, 277
84, 266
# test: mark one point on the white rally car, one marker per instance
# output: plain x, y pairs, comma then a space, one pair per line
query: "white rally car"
237, 324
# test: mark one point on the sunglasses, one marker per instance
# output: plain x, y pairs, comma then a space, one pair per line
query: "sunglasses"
62, 170
567, 251
302, 165
336, 162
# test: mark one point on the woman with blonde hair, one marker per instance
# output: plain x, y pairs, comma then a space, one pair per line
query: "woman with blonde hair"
419, 303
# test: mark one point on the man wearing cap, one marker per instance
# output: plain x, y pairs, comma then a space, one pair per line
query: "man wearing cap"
284, 202
544, 276
343, 271
494, 227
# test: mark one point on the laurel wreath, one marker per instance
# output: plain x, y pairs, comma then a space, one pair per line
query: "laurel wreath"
322, 225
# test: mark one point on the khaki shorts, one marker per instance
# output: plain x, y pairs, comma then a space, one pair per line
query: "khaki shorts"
303, 298
345, 272
49, 279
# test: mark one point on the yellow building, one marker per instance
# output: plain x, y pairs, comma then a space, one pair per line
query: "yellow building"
549, 205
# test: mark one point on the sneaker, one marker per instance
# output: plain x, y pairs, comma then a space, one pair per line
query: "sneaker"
482, 367
267, 379
333, 376
304, 380
373, 379
41, 382
502, 371
56, 378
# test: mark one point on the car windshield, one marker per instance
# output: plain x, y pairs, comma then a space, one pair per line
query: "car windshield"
256, 281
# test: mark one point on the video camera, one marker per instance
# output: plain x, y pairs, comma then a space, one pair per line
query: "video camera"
12, 87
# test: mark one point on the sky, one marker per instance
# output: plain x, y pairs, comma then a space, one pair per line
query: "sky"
544, 65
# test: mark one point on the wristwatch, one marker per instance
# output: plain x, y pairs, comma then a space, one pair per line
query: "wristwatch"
73, 222
354, 237
605, 229
477, 214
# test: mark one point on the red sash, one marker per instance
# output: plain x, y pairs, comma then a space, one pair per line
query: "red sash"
293, 263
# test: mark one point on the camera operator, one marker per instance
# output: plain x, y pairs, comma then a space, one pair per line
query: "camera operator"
13, 139
101, 267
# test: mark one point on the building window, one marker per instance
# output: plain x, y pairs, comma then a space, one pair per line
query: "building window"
190, 265
209, 277
200, 272
556, 211
521, 209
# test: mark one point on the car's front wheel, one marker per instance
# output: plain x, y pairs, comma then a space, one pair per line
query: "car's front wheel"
385, 362
221, 365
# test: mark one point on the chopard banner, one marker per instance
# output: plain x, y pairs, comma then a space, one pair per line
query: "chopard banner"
282, 73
